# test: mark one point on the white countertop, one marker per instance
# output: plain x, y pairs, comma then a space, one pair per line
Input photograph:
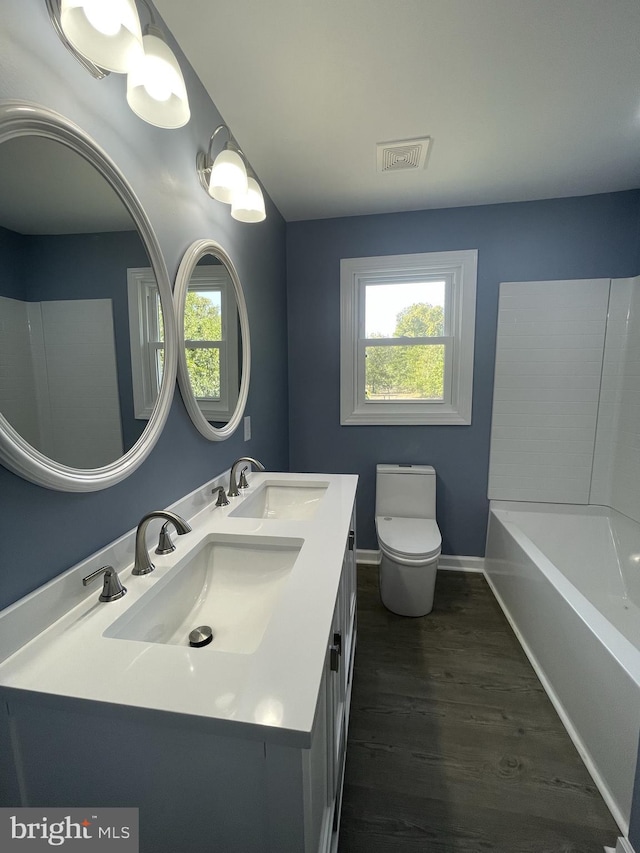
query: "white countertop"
273, 691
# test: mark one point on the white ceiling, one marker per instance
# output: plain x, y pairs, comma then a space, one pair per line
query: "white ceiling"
47, 188
524, 99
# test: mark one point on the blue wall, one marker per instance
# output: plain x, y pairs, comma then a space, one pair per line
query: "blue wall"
160, 166
11, 264
593, 236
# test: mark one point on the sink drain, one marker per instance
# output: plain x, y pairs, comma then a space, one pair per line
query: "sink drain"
200, 636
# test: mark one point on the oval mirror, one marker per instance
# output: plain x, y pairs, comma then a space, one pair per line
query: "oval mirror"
214, 352
87, 331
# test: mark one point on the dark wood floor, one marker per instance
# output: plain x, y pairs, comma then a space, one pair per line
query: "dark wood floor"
453, 743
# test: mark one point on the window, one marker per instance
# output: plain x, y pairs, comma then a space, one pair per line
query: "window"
211, 340
407, 332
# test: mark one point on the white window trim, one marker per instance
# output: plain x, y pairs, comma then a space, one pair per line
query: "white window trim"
457, 268
142, 289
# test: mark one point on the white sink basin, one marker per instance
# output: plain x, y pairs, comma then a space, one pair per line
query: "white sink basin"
231, 584
295, 500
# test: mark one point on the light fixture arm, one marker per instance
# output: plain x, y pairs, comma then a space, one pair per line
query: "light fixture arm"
204, 160
53, 7
230, 141
152, 27
230, 179
149, 10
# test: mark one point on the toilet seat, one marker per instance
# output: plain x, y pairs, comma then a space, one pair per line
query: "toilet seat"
409, 539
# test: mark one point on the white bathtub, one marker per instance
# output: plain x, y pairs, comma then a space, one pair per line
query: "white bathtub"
568, 579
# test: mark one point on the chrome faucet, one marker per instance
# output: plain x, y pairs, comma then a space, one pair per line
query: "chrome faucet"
112, 589
142, 565
233, 484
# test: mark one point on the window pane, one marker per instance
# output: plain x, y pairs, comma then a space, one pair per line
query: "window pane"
404, 372
204, 372
413, 310
159, 318
159, 365
203, 315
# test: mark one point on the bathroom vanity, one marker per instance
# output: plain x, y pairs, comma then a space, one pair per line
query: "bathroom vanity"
235, 746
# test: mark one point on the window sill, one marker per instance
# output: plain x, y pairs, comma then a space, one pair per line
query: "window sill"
445, 416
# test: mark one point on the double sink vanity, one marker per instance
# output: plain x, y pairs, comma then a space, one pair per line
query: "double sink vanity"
234, 742
237, 745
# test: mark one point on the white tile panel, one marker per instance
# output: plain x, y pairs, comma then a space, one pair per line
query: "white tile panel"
616, 474
58, 383
528, 445
607, 448
82, 380
549, 358
556, 423
544, 433
18, 397
546, 406
529, 366
531, 382
526, 392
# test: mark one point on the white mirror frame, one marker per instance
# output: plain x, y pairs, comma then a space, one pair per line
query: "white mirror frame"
196, 251
24, 119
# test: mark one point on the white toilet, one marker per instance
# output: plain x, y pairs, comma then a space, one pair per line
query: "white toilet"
408, 536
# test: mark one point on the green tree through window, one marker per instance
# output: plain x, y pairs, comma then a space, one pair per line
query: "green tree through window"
203, 323
414, 371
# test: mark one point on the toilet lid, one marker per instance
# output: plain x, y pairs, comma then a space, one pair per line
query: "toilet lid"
409, 537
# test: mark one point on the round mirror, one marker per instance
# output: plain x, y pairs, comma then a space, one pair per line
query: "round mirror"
87, 337
214, 354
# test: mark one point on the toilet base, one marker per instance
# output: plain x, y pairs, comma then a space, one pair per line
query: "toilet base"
407, 590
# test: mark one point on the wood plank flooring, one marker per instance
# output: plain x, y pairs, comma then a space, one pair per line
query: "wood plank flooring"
453, 744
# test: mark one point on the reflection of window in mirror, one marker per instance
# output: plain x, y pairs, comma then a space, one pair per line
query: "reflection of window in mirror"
211, 341
146, 333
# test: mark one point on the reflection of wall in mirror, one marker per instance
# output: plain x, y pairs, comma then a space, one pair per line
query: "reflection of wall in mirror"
79, 267
61, 390
18, 399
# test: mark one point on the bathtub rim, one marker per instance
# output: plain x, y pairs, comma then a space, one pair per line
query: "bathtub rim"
628, 658
622, 649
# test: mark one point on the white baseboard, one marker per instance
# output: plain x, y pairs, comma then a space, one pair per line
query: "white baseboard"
453, 563
368, 558
447, 562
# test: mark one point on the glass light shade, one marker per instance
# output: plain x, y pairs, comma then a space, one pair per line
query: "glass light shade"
228, 177
250, 206
155, 86
105, 31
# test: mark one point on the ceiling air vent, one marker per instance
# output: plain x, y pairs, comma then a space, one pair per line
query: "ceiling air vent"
403, 155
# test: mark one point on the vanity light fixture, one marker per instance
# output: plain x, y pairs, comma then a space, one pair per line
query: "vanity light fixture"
226, 179
106, 35
156, 91
106, 32
250, 206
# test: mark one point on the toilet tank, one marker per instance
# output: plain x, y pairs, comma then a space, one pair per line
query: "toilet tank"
406, 491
